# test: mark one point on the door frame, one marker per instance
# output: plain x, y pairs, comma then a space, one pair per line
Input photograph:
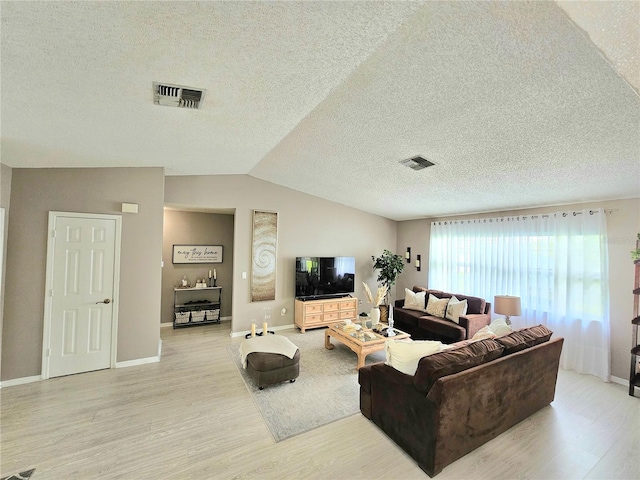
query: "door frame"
46, 334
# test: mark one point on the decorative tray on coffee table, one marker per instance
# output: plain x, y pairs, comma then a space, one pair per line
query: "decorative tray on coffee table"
356, 330
381, 330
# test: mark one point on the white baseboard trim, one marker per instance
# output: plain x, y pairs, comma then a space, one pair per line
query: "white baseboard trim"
139, 361
170, 324
245, 332
621, 381
20, 381
130, 363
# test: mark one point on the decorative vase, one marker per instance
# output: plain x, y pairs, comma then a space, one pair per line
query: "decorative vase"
375, 316
384, 313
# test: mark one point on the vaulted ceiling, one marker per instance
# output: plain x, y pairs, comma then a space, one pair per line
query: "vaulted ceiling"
518, 104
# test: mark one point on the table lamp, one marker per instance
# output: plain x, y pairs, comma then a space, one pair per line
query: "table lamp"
507, 305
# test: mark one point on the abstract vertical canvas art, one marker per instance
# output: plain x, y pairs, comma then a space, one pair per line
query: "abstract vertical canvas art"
263, 256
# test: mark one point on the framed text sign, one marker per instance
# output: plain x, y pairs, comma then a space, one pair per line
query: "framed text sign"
197, 254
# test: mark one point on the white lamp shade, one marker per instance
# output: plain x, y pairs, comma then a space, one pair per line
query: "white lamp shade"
507, 305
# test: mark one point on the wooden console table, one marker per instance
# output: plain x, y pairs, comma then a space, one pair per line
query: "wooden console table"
321, 313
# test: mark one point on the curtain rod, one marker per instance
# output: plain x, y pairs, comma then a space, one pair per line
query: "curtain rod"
524, 217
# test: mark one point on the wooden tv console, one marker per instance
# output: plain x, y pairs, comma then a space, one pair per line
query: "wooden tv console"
321, 313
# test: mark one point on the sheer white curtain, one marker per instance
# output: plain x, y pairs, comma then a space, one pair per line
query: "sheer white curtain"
557, 264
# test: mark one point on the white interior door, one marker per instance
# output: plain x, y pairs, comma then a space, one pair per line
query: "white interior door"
81, 276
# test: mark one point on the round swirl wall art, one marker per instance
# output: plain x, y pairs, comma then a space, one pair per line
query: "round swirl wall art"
263, 256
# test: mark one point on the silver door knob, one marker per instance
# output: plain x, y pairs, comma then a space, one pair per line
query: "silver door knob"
106, 300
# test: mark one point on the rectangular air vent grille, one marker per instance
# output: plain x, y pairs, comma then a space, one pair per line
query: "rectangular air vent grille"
177, 96
417, 163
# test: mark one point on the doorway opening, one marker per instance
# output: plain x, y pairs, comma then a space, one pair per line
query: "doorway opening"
195, 227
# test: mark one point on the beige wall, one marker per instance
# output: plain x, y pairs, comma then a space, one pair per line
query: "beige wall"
623, 224
5, 185
414, 234
35, 192
196, 228
5, 200
307, 225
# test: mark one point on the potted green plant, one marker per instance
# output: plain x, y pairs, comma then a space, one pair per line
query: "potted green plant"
389, 266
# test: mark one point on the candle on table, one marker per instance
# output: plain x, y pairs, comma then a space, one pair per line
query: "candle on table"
209, 273
214, 274
264, 328
253, 329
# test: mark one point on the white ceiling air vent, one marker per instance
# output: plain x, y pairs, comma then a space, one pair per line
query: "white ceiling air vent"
417, 163
177, 96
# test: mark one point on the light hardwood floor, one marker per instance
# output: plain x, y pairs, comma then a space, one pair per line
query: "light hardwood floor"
190, 417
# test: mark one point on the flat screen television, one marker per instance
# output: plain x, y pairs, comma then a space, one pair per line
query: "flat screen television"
325, 277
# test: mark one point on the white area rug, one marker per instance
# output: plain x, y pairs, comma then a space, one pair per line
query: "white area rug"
326, 390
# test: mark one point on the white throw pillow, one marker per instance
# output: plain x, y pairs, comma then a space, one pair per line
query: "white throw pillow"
499, 327
437, 306
484, 332
455, 308
404, 355
414, 301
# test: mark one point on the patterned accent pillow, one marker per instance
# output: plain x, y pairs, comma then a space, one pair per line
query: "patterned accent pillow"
437, 306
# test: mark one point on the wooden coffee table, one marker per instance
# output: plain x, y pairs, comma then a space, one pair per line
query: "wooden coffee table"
360, 346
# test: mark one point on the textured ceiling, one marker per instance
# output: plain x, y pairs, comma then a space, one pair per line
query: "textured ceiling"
519, 104
614, 27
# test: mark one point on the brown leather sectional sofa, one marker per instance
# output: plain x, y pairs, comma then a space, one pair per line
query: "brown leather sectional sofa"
461, 398
422, 326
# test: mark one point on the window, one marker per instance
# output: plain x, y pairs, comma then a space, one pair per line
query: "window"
557, 264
